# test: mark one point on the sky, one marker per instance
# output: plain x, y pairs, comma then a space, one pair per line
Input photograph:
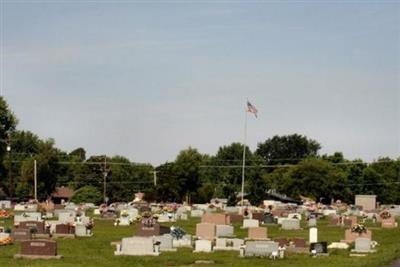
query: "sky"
148, 79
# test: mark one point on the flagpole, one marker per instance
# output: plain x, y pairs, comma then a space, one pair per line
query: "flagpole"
244, 155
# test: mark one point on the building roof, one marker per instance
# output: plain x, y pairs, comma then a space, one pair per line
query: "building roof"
63, 192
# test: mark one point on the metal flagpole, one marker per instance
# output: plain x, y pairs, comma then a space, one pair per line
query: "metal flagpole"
244, 155
35, 178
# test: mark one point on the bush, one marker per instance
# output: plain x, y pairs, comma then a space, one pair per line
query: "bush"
88, 194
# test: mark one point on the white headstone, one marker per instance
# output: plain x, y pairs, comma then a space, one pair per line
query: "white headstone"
247, 223
137, 246
203, 246
290, 224
313, 235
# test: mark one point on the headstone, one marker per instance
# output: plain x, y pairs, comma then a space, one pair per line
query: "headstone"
224, 230
152, 230
258, 216
184, 216
389, 223
206, 231
228, 244
36, 226
362, 245
66, 217
38, 248
203, 245
215, 218
5, 204
312, 222
368, 202
313, 235
352, 236
299, 242
269, 218
196, 213
236, 218
137, 246
319, 247
260, 248
250, 223
81, 230
21, 234
185, 241
282, 241
65, 229
257, 233
166, 242
290, 224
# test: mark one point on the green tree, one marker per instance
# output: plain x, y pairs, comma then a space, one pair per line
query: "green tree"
318, 178
8, 122
187, 169
88, 194
287, 149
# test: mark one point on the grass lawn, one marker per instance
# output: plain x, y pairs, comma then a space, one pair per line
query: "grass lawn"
97, 251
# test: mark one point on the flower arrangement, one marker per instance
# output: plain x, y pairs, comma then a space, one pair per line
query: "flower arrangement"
359, 228
148, 222
124, 214
117, 222
177, 232
385, 215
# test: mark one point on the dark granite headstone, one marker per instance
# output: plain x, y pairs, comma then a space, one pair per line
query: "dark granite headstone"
319, 247
153, 230
39, 247
269, 218
236, 218
299, 242
282, 241
19, 234
258, 216
39, 226
65, 229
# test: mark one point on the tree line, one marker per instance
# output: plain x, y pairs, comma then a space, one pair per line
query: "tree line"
289, 164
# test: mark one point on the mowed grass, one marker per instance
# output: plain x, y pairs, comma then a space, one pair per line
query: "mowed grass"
97, 250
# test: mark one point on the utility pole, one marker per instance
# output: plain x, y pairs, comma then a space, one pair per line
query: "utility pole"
105, 180
154, 177
35, 178
10, 178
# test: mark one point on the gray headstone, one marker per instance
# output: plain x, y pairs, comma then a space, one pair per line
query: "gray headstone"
362, 244
261, 248
290, 224
224, 230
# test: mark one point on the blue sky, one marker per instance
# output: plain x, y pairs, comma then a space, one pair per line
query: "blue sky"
145, 80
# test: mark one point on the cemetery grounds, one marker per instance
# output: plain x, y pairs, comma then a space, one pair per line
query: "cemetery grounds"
98, 251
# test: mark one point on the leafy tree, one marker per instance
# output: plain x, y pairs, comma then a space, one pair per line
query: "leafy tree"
168, 188
88, 194
318, 179
287, 149
187, 168
8, 122
227, 173
79, 153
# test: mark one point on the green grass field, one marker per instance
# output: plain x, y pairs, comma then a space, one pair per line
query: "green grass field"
97, 251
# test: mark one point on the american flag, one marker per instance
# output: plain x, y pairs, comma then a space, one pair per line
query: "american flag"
251, 109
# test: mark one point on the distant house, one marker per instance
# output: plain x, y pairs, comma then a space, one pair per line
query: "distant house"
62, 194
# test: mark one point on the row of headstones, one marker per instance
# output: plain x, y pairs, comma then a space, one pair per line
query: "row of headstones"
349, 221
139, 245
24, 231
